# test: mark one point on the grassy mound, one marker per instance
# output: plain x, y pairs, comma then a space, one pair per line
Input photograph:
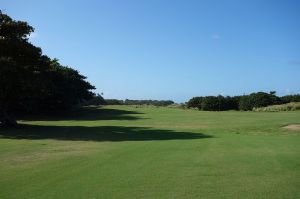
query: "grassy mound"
292, 106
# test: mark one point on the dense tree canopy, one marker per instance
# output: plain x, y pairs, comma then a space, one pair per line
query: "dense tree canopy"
139, 102
245, 102
31, 81
259, 99
291, 98
195, 102
148, 102
214, 103
96, 100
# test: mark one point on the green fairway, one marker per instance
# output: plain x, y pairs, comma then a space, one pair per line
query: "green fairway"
149, 152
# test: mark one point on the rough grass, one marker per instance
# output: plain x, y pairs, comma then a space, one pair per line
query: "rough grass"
148, 152
292, 106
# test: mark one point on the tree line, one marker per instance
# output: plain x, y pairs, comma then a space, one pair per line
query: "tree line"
99, 100
31, 82
242, 102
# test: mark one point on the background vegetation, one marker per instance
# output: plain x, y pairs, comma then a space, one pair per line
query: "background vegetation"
244, 102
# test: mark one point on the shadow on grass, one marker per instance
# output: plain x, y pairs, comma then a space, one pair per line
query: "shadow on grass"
100, 133
86, 114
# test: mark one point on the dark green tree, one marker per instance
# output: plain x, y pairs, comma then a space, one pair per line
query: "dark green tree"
195, 102
96, 100
212, 103
148, 102
259, 99
290, 98
114, 102
29, 80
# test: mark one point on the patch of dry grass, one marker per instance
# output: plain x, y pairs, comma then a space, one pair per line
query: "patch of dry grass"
292, 106
292, 127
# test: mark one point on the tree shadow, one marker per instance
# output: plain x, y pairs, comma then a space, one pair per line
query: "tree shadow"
99, 133
90, 113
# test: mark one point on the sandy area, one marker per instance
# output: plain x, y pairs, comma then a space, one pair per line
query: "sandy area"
293, 127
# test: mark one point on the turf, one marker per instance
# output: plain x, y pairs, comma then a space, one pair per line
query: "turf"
148, 152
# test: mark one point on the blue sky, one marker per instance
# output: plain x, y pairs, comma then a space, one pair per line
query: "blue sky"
170, 49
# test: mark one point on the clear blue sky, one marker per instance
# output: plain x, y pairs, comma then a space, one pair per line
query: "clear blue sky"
168, 49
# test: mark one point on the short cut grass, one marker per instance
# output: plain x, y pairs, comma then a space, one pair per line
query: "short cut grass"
149, 152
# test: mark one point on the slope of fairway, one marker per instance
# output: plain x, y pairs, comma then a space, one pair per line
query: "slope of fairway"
149, 152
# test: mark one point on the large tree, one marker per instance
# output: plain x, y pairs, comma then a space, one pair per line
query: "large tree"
31, 81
